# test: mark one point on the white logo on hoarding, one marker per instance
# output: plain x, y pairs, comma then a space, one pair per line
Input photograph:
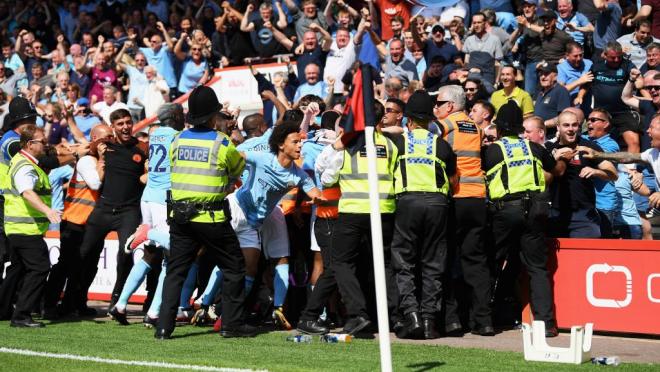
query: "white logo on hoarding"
649, 283
608, 302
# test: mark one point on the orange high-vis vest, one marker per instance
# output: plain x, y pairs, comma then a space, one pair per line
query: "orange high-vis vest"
79, 201
288, 201
464, 136
329, 209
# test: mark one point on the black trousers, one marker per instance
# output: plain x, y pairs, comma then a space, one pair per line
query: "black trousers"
101, 221
223, 249
347, 245
419, 247
326, 283
11, 283
516, 231
466, 246
32, 252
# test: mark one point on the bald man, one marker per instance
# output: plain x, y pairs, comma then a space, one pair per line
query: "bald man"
573, 213
78, 204
534, 130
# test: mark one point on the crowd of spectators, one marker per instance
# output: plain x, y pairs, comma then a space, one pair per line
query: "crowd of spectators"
584, 73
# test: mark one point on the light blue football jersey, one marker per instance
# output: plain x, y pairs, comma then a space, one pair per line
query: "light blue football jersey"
158, 178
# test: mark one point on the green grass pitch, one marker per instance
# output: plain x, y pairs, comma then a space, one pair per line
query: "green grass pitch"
201, 346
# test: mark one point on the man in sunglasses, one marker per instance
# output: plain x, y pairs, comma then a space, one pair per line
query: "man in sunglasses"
467, 219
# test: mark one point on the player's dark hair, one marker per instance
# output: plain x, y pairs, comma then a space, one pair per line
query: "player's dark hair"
280, 133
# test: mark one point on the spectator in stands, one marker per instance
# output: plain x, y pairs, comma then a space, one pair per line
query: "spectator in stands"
343, 53
346, 15
573, 213
574, 73
474, 91
9, 85
491, 28
309, 16
262, 37
314, 85
108, 104
534, 130
652, 58
396, 65
575, 24
610, 77
483, 50
649, 9
393, 117
511, 91
525, 40
648, 109
195, 67
552, 99
436, 44
432, 77
83, 116
635, 44
598, 128
388, 10
160, 56
100, 76
608, 25
309, 51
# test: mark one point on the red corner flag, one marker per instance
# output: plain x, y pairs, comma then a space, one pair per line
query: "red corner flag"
359, 110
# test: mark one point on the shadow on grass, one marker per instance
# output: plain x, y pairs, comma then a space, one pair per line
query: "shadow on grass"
426, 366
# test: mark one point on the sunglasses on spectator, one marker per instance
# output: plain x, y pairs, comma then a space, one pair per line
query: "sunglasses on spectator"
491, 138
470, 89
390, 110
440, 103
196, 49
41, 141
653, 87
595, 119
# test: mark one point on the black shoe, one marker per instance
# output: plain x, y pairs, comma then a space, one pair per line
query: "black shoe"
430, 331
355, 325
26, 323
312, 327
551, 332
454, 330
244, 330
149, 322
412, 327
50, 313
86, 311
119, 317
483, 331
162, 334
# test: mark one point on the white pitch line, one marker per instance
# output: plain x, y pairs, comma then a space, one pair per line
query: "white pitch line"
119, 361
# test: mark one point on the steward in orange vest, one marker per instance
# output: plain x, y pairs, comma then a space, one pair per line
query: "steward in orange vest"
81, 197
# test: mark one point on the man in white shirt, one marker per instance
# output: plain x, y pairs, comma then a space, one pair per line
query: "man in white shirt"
108, 105
341, 57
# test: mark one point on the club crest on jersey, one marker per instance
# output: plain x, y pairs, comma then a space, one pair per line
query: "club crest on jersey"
193, 153
137, 158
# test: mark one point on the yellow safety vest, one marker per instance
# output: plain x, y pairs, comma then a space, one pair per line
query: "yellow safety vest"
417, 167
20, 216
201, 172
353, 180
524, 171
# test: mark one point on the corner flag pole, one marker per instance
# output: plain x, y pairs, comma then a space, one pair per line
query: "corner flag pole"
379, 259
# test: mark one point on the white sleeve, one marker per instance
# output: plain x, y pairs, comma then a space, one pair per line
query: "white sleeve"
25, 178
328, 165
86, 169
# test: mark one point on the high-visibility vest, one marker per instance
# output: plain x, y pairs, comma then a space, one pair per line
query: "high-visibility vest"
524, 170
5, 180
20, 216
288, 201
464, 136
329, 209
353, 178
417, 166
200, 172
79, 201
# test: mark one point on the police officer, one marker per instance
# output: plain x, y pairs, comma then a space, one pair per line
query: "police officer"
517, 171
22, 113
426, 165
347, 164
27, 215
204, 165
